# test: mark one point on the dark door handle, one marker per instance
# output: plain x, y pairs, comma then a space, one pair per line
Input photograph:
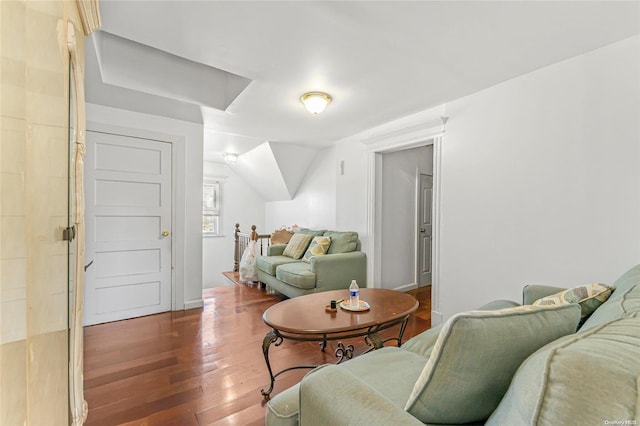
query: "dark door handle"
87, 265
68, 234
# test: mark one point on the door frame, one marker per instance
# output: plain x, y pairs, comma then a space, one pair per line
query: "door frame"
404, 134
177, 219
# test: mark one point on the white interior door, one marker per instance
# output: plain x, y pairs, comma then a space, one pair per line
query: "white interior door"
128, 223
425, 231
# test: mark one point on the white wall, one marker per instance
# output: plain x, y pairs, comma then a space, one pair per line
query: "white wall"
187, 232
314, 205
330, 197
351, 188
240, 204
540, 180
398, 211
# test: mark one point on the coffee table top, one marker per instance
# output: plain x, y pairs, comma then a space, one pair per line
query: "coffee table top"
306, 314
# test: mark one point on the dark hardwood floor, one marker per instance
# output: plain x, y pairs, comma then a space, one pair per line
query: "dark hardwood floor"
201, 366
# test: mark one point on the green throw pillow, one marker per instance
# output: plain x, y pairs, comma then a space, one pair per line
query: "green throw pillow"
342, 242
297, 245
476, 355
589, 297
318, 247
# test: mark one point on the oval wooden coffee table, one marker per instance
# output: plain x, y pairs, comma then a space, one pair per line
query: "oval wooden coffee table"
304, 319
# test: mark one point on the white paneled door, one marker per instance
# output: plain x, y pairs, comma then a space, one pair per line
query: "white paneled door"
425, 231
128, 216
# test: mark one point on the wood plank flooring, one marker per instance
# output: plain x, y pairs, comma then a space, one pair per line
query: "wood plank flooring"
200, 366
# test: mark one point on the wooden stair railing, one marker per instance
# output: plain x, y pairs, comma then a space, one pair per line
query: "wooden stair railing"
241, 241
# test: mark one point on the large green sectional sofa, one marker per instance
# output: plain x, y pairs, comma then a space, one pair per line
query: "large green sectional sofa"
503, 364
334, 270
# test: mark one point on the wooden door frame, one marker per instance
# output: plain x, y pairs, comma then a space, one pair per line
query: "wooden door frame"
177, 219
414, 132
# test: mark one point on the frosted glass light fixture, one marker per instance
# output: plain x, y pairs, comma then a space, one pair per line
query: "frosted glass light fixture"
230, 157
315, 102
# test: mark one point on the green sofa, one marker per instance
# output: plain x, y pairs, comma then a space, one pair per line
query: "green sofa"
334, 270
503, 364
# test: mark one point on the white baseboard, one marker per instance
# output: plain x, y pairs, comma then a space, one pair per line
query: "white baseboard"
436, 318
406, 287
192, 304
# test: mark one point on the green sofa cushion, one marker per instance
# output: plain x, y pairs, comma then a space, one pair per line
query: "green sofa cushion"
423, 343
333, 396
282, 410
297, 274
477, 354
342, 242
269, 264
585, 378
312, 232
626, 299
374, 370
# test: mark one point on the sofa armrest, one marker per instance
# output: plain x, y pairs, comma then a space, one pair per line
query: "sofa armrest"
276, 249
531, 293
335, 271
422, 344
331, 395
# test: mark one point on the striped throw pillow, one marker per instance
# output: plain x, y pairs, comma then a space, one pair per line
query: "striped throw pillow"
297, 245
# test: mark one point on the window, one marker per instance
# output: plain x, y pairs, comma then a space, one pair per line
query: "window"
211, 208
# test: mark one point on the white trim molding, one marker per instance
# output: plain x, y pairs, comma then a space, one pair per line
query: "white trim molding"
403, 134
398, 136
436, 314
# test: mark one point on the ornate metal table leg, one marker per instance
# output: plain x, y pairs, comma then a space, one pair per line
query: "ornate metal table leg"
323, 344
343, 352
403, 326
373, 341
270, 338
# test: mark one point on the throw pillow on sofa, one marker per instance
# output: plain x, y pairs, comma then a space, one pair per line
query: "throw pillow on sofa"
342, 242
476, 355
318, 247
589, 297
281, 236
312, 232
297, 245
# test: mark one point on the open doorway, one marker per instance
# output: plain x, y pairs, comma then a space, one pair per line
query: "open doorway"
405, 201
392, 218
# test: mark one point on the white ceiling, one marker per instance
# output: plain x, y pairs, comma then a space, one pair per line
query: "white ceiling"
379, 60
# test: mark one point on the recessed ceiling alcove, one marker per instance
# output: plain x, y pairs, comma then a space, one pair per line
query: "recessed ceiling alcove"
152, 76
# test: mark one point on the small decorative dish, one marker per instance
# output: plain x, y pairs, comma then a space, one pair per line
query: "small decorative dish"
364, 306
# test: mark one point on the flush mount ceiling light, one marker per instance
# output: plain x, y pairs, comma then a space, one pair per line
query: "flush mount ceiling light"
315, 102
230, 157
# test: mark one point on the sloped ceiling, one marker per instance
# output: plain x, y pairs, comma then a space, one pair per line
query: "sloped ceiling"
129, 75
275, 170
380, 60
240, 67
113, 96
135, 66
